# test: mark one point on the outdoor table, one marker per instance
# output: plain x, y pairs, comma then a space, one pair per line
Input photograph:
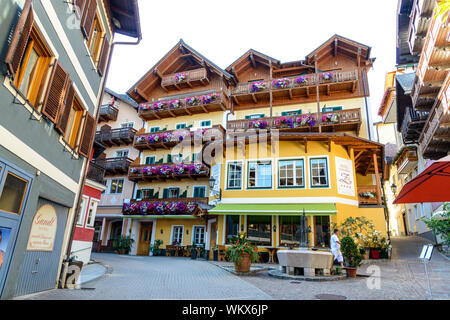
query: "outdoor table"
272, 252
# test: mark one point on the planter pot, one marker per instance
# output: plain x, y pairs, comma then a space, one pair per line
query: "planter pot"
244, 266
375, 253
193, 254
351, 272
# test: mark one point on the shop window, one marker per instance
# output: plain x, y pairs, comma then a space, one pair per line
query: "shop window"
260, 174
13, 193
234, 175
319, 172
199, 235
116, 186
322, 231
259, 230
291, 173
177, 235
289, 231
74, 124
232, 227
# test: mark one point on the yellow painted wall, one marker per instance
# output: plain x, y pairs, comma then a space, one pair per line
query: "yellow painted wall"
376, 215
166, 226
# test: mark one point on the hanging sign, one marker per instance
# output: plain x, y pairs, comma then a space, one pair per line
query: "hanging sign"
43, 229
344, 176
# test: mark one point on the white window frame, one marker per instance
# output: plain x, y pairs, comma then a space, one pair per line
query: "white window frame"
123, 186
81, 216
242, 174
122, 150
208, 126
150, 129
305, 173
93, 204
247, 173
172, 234
126, 122
193, 234
310, 173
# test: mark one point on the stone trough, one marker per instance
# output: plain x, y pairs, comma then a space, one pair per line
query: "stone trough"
305, 259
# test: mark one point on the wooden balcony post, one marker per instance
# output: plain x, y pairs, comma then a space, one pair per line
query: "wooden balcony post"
377, 177
317, 92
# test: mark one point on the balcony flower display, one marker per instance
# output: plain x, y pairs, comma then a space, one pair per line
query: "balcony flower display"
258, 86
191, 206
135, 170
159, 105
145, 208
258, 124
330, 117
164, 170
148, 171
367, 195
141, 139
285, 122
281, 83
153, 138
180, 77
130, 208
209, 98
191, 101
175, 104
159, 207
145, 107
302, 80
196, 168
176, 207
307, 120
179, 169
326, 76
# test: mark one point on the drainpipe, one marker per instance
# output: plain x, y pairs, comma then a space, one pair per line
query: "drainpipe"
366, 106
80, 193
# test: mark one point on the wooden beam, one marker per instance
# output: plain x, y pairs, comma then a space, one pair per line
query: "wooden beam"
123, 12
254, 98
358, 154
236, 100
305, 143
328, 89
377, 176
307, 92
290, 93
329, 144
335, 47
252, 60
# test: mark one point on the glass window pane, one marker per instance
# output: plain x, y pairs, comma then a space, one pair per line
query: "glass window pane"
13, 193
29, 72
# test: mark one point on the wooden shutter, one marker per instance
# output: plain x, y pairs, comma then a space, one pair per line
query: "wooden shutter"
88, 135
81, 6
20, 38
54, 98
139, 194
87, 20
165, 193
169, 158
63, 117
104, 54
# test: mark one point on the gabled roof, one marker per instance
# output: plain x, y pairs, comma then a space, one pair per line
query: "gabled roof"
125, 98
248, 54
406, 81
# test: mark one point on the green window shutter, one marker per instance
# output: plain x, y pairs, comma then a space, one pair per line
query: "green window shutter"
150, 160
139, 194
299, 111
255, 116
284, 113
180, 126
150, 193
165, 193
154, 129
195, 192
169, 158
199, 192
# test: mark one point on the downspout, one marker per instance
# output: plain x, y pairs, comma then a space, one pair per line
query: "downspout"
366, 106
80, 193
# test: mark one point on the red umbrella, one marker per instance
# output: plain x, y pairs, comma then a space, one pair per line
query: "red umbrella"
432, 185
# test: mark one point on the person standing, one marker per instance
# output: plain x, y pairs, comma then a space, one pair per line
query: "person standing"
336, 248
2, 253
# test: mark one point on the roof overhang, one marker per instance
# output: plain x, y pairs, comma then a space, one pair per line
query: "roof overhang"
125, 17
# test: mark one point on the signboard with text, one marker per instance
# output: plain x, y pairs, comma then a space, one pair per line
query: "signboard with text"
43, 229
344, 177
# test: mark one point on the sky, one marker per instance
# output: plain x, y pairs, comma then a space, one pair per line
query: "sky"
285, 30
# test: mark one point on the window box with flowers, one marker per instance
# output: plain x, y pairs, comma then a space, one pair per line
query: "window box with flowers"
258, 124
302, 80
306, 121
330, 118
281, 83
284, 122
258, 86
326, 76
179, 77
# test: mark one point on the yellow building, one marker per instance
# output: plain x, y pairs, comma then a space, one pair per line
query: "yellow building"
262, 143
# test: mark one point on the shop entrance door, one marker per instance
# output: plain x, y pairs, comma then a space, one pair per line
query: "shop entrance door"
145, 237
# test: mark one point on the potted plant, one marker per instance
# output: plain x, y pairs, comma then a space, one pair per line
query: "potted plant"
352, 257
154, 249
375, 244
194, 251
123, 245
242, 253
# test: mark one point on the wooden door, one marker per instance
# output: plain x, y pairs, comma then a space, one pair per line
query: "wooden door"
145, 237
212, 239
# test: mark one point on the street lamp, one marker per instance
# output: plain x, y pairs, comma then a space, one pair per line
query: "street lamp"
394, 188
212, 183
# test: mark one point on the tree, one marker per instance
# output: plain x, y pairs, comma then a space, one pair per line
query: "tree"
440, 224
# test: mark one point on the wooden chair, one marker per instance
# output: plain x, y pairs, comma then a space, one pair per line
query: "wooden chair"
187, 251
221, 253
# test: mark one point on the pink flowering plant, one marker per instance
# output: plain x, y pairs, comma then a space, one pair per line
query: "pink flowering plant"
302, 80
141, 139
159, 105
180, 77
145, 107
180, 169
307, 120
209, 98
191, 101
281, 83
330, 117
148, 171
135, 170
175, 104
153, 138
164, 170
258, 86
285, 122
258, 124
327, 76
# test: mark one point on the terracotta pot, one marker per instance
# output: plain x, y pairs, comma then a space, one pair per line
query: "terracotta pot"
351, 272
244, 266
375, 253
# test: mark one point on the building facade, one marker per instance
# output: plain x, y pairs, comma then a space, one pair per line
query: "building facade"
253, 147
54, 59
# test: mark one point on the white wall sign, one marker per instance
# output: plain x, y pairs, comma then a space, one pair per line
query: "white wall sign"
344, 177
215, 173
43, 229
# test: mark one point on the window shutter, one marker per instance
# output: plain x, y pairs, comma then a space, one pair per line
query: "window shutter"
169, 158
138, 194
54, 97
20, 38
150, 193
88, 135
299, 111
104, 53
87, 20
165, 193
80, 4
63, 118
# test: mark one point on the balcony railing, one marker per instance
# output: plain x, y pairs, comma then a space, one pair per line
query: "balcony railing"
116, 137
163, 206
108, 113
368, 195
170, 138
165, 171
172, 107
412, 125
407, 160
118, 165
95, 173
287, 83
343, 120
188, 78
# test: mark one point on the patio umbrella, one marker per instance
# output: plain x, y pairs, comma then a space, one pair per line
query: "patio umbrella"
432, 185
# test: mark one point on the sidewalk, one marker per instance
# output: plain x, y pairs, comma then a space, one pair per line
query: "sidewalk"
91, 272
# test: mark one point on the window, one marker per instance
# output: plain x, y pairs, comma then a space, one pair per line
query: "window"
234, 175
95, 39
319, 172
205, 123
74, 124
416, 212
255, 116
178, 158
82, 211
116, 186
259, 229
328, 109
199, 192
180, 126
260, 174
232, 227
91, 213
171, 193
121, 153
195, 157
322, 231
291, 113
154, 129
127, 124
14, 189
289, 231
199, 235
33, 68
144, 194
177, 235
150, 160
291, 173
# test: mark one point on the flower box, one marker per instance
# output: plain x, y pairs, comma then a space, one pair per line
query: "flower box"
281, 83
258, 124
330, 117
301, 80
258, 86
308, 120
179, 77
326, 76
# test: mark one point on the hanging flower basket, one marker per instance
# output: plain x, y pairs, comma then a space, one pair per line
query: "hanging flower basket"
179, 77
281, 83
258, 124
258, 86
301, 80
326, 76
330, 117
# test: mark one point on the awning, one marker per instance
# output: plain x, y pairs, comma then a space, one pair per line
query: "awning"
281, 209
173, 216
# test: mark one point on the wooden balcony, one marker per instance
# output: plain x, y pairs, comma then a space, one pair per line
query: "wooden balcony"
170, 138
95, 173
108, 113
298, 86
181, 106
412, 125
407, 160
150, 172
118, 165
115, 137
347, 120
192, 206
368, 195
184, 80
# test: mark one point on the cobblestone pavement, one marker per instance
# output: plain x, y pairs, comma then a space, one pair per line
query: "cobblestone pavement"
133, 277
